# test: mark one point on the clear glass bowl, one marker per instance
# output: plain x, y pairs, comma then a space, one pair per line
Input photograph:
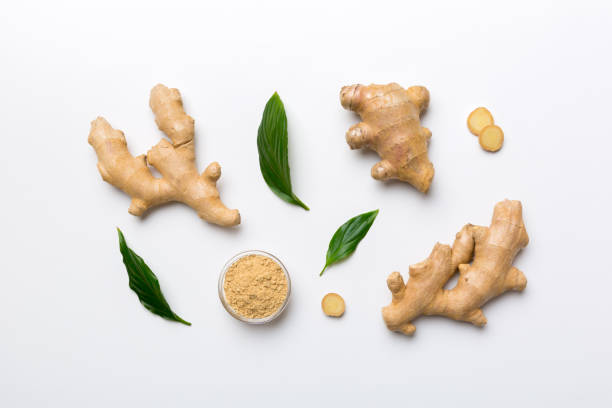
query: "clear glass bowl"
224, 301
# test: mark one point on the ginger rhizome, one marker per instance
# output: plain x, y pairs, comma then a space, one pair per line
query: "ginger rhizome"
491, 251
174, 160
390, 125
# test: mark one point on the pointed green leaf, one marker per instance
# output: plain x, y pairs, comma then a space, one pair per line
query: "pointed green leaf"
145, 284
273, 153
347, 237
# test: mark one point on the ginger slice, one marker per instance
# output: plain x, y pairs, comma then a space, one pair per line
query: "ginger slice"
478, 120
333, 305
491, 138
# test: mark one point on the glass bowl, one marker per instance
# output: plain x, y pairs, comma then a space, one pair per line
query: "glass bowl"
225, 303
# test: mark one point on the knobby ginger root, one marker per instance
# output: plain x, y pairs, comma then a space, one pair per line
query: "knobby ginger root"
491, 251
478, 120
333, 305
175, 161
491, 138
391, 126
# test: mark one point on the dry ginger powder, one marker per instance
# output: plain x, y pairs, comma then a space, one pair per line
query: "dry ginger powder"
255, 286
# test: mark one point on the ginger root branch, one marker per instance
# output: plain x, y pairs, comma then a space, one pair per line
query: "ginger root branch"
391, 126
175, 161
491, 251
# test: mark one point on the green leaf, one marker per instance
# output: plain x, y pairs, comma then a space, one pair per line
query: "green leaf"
347, 237
144, 283
272, 147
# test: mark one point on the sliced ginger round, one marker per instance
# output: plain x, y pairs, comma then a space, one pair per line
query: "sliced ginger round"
333, 305
491, 138
478, 120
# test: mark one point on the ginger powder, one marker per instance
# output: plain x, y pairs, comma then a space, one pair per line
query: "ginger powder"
255, 286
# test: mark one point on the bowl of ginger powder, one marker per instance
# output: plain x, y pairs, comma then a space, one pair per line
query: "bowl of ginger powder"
254, 287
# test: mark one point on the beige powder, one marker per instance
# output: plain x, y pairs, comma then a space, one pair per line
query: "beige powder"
255, 286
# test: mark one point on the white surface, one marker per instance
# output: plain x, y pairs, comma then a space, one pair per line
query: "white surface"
72, 334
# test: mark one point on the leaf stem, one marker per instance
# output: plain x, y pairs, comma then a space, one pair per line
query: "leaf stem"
300, 203
182, 321
324, 268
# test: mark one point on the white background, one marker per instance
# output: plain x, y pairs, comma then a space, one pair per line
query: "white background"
72, 334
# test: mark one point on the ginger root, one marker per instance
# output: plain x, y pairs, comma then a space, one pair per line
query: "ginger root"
391, 126
175, 161
478, 120
333, 305
491, 138
491, 251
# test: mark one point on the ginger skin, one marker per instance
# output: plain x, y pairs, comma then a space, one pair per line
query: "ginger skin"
489, 275
175, 161
391, 126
